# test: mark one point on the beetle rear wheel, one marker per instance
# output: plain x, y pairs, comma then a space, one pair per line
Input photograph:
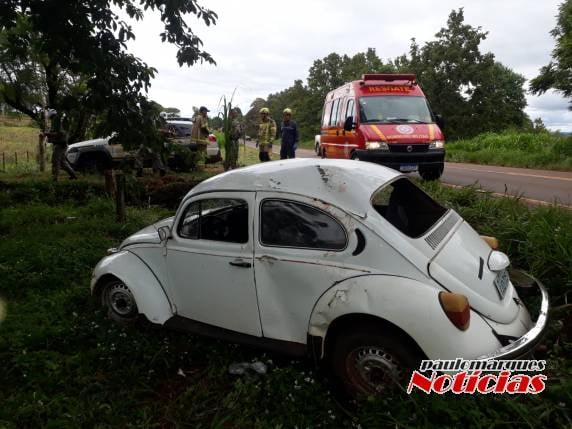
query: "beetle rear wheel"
372, 361
120, 302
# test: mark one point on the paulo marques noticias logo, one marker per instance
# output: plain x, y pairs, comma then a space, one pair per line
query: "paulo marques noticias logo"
479, 376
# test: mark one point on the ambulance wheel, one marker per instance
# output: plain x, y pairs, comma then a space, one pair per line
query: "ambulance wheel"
372, 361
431, 173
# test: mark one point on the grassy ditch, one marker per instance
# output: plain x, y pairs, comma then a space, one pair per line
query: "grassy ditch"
542, 150
64, 364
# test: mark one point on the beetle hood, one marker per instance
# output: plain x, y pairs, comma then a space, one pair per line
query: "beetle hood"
148, 235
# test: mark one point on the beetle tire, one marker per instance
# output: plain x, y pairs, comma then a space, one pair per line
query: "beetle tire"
355, 156
381, 353
120, 303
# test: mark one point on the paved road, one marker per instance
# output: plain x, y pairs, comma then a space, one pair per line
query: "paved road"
538, 186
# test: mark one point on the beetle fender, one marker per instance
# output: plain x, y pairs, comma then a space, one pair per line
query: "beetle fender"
410, 305
149, 294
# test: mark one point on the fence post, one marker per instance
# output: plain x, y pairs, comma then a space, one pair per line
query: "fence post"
4, 161
110, 185
16, 158
120, 198
27, 156
41, 153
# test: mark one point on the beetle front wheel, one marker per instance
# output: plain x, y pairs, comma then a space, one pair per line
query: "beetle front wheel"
120, 302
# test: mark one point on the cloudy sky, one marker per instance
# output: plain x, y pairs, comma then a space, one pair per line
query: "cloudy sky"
262, 46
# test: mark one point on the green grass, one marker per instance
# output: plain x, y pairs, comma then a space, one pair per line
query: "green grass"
65, 365
516, 149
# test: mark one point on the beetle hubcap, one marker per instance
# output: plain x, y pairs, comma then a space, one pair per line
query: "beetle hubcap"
121, 300
373, 369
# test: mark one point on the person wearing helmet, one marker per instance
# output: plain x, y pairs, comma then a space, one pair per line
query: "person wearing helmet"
200, 130
266, 134
289, 136
58, 136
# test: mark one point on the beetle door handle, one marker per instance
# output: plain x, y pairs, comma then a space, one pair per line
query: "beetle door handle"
240, 263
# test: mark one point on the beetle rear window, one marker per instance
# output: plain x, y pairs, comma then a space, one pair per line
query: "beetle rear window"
407, 207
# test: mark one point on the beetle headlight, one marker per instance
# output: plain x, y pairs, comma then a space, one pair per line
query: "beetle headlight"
376, 145
437, 144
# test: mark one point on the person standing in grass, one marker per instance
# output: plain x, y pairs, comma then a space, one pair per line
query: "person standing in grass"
200, 131
289, 136
236, 132
266, 134
58, 136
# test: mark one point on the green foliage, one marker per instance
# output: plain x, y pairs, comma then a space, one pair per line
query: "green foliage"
557, 74
227, 118
184, 159
252, 117
71, 55
534, 149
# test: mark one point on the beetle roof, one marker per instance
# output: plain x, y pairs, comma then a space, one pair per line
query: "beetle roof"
344, 183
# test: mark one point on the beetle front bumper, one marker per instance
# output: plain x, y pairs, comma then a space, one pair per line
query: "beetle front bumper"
525, 344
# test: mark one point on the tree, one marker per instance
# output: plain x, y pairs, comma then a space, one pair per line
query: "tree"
557, 74
252, 117
71, 55
172, 111
469, 88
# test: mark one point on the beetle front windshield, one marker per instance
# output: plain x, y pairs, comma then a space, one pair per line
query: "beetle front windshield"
407, 207
394, 109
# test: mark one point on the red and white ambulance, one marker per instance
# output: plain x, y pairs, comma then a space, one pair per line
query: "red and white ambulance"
386, 119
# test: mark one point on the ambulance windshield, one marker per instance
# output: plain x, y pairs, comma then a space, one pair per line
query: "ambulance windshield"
394, 109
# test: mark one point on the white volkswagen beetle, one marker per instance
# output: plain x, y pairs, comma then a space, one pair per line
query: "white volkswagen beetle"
344, 261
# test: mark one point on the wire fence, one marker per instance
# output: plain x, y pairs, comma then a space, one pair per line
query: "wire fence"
27, 160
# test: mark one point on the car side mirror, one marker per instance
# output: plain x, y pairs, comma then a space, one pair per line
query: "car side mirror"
440, 121
349, 124
164, 233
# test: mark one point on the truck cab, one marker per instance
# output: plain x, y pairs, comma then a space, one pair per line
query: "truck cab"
386, 119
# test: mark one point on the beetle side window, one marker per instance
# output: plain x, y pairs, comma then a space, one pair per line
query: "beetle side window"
292, 224
216, 219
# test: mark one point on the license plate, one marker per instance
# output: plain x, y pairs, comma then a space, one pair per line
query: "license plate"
408, 167
501, 283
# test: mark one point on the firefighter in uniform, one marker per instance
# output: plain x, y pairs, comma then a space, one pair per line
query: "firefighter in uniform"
200, 131
266, 134
289, 135
58, 136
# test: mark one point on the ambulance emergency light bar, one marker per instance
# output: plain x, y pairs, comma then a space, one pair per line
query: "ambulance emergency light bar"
387, 78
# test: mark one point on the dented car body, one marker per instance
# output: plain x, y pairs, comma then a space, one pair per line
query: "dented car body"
347, 262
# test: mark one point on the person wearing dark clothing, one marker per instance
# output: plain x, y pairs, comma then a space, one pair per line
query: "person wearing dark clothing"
289, 136
58, 136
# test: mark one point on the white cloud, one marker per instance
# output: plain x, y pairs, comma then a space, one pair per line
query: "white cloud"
262, 47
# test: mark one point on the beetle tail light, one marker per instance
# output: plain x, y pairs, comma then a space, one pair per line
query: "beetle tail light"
491, 241
456, 308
